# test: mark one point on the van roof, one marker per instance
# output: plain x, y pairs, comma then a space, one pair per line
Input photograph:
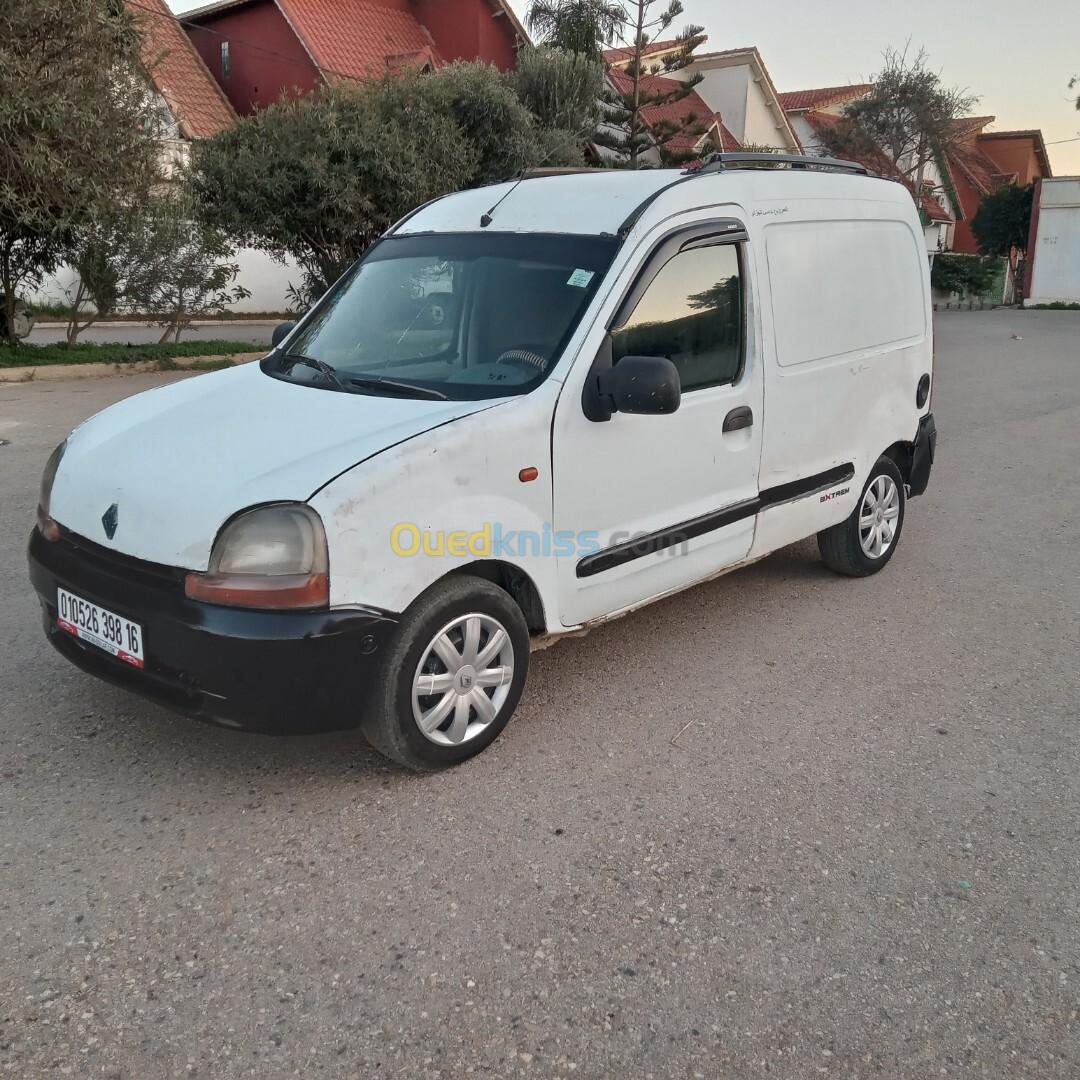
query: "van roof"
602, 201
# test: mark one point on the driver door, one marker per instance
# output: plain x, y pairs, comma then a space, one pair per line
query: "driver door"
659, 502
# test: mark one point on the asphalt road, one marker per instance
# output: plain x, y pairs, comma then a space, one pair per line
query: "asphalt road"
258, 333
784, 825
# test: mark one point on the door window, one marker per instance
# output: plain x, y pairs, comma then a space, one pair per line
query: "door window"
692, 313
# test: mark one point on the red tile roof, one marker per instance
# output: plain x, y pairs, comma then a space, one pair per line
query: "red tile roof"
798, 100
178, 73
969, 125
965, 157
934, 210
357, 39
690, 111
422, 58
978, 169
621, 56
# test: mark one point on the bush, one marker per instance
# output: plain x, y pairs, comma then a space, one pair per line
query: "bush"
561, 89
965, 275
320, 178
1003, 220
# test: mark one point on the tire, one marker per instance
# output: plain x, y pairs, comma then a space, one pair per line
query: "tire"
849, 548
462, 613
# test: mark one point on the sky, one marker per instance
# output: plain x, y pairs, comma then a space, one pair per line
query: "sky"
1017, 57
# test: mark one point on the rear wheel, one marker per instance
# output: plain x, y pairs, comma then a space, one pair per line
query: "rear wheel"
453, 676
865, 541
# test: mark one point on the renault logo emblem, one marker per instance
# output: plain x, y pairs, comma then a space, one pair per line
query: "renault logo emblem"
110, 520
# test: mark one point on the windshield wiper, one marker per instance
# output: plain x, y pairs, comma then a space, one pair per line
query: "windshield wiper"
322, 366
377, 382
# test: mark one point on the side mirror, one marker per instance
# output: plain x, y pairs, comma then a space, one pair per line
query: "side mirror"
646, 385
281, 332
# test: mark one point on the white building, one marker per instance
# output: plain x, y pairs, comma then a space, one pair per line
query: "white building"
1053, 266
735, 90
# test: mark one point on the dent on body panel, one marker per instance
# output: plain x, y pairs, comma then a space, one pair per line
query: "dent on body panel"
451, 479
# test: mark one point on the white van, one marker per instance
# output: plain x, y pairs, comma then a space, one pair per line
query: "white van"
530, 408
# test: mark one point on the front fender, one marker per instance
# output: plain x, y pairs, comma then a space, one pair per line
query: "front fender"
405, 518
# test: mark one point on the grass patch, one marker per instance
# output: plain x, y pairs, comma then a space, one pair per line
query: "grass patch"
41, 355
52, 311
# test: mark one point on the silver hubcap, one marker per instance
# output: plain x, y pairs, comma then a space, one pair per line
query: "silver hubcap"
463, 679
878, 516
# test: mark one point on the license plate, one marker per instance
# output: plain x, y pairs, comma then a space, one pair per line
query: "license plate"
118, 636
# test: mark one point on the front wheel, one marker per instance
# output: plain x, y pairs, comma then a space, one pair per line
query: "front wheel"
865, 541
453, 676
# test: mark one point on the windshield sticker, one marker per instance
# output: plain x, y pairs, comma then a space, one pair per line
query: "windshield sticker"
581, 278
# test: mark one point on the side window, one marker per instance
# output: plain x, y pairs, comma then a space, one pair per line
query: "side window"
692, 314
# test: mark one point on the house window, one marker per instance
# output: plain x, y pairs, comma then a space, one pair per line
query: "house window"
226, 65
692, 314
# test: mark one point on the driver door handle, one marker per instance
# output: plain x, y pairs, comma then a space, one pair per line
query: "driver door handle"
737, 419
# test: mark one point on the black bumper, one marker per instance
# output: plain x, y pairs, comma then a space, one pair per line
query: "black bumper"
922, 455
274, 672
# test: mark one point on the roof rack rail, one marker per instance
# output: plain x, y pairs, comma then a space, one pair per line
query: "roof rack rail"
562, 170
722, 161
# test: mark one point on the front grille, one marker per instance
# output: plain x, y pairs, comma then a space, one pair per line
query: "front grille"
116, 564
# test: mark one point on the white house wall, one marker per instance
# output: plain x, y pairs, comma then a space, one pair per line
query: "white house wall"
735, 91
1056, 251
764, 125
267, 281
724, 90
807, 135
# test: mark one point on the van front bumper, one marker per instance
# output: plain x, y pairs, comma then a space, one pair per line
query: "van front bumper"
278, 672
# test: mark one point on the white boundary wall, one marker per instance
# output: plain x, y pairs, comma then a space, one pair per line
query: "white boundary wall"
267, 281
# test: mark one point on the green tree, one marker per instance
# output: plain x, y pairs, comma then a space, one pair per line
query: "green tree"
320, 178
77, 124
177, 267
965, 275
579, 26
908, 119
96, 257
1003, 220
562, 89
628, 132
481, 103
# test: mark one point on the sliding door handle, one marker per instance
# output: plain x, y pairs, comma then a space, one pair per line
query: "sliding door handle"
737, 419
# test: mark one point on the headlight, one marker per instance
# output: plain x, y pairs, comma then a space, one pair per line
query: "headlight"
48, 477
270, 557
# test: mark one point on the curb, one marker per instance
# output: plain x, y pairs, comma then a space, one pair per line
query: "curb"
57, 372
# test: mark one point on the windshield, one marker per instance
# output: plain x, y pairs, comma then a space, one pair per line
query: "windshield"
460, 316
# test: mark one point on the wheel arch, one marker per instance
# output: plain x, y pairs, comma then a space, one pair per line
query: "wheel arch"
900, 454
513, 580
